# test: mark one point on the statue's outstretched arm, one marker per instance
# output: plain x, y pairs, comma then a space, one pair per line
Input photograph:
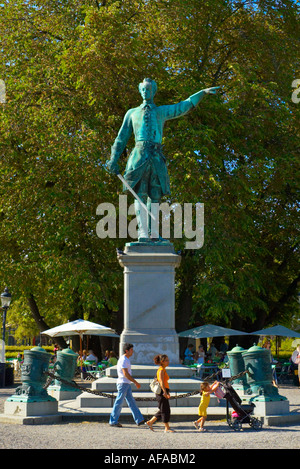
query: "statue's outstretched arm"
197, 97
174, 111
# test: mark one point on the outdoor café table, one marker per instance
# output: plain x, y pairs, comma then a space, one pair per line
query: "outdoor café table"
192, 366
90, 365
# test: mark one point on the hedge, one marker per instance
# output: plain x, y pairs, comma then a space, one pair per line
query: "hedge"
12, 351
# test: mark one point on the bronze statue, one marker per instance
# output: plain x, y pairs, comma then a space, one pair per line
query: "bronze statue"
146, 171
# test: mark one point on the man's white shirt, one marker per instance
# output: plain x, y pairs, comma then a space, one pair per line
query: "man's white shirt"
123, 362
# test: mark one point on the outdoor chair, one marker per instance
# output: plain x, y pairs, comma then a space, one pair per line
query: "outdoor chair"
93, 370
285, 375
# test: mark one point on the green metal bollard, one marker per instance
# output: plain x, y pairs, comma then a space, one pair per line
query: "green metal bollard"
33, 377
258, 362
65, 368
237, 365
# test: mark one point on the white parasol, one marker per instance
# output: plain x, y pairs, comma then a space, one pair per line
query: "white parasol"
80, 327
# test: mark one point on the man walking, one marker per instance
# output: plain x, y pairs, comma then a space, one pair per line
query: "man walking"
124, 389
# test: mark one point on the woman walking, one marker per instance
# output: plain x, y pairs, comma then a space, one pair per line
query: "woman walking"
163, 398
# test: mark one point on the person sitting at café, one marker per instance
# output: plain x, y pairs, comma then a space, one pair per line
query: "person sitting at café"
92, 357
223, 347
79, 358
218, 357
201, 355
188, 355
112, 361
225, 358
212, 351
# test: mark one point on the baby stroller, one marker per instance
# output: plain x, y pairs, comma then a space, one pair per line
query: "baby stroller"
241, 413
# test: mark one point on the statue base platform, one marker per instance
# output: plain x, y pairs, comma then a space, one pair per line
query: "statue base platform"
62, 393
149, 301
25, 409
266, 405
31, 413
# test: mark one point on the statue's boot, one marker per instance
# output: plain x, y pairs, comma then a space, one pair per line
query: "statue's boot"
142, 219
153, 207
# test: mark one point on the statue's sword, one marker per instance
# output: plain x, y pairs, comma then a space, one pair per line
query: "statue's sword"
135, 195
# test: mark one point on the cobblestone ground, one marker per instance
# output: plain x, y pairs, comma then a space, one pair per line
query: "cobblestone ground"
186, 440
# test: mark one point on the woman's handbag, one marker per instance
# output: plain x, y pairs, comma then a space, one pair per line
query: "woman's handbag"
155, 386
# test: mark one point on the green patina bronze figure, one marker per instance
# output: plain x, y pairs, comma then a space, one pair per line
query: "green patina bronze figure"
146, 171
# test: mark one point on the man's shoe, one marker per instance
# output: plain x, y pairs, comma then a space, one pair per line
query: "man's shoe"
115, 425
141, 423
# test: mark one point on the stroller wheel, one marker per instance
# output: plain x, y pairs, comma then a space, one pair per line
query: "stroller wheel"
236, 425
255, 424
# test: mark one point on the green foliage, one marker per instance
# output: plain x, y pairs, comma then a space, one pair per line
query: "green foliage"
21, 348
71, 71
12, 351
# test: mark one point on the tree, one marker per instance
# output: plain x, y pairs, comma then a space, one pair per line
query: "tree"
71, 71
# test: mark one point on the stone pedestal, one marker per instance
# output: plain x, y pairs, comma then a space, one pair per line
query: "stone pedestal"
31, 412
265, 407
63, 394
25, 409
149, 302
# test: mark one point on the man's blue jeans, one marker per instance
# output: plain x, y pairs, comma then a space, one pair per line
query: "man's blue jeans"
125, 392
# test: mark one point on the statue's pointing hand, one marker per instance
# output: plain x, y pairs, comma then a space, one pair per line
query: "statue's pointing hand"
212, 90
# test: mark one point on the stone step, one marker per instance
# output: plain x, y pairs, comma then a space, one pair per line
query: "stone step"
88, 400
183, 385
182, 380
70, 409
149, 371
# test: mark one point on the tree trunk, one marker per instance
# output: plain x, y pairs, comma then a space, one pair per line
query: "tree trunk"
42, 325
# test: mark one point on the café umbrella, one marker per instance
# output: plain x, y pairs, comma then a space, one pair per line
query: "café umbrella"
277, 331
209, 330
80, 327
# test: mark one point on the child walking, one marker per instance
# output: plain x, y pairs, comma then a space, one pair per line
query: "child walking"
205, 390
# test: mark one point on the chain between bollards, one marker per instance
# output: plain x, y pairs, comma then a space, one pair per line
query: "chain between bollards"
147, 399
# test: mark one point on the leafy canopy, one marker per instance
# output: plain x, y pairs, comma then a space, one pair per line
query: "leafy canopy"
71, 70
